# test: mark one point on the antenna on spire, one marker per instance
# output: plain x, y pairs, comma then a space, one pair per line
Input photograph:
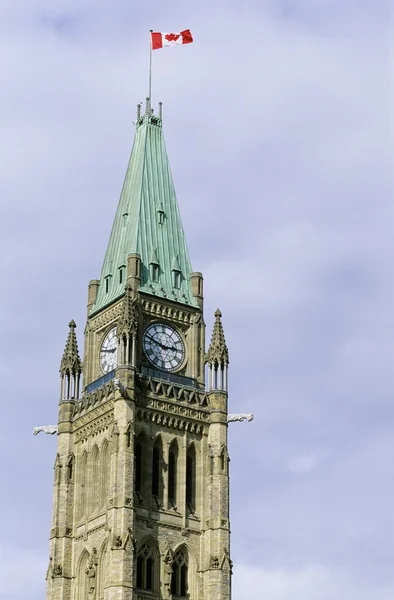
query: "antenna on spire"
150, 64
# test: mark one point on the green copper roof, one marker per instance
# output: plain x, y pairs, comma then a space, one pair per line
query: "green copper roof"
148, 222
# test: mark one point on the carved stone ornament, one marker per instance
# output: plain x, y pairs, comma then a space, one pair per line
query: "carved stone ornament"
50, 429
58, 570
91, 572
240, 417
214, 562
167, 574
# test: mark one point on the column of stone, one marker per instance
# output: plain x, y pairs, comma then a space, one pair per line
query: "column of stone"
217, 567
119, 579
59, 573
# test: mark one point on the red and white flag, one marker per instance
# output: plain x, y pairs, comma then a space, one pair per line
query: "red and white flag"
159, 40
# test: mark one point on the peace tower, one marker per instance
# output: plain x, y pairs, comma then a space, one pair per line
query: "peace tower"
141, 488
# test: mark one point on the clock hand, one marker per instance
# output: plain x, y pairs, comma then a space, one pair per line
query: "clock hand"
108, 350
162, 345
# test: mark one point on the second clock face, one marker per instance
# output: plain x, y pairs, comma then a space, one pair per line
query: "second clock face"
163, 346
108, 351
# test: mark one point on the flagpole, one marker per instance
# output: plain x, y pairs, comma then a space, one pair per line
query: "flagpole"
150, 68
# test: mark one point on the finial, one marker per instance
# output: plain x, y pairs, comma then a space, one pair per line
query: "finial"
160, 110
147, 108
218, 352
138, 111
71, 362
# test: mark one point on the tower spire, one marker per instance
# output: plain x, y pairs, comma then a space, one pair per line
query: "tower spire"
147, 219
217, 356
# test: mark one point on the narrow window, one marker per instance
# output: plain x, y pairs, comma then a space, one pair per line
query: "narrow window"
138, 467
176, 279
145, 568
120, 274
156, 472
107, 284
179, 578
172, 469
154, 272
191, 479
70, 469
223, 461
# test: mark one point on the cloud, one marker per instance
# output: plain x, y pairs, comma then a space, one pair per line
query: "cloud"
310, 582
303, 464
21, 572
279, 148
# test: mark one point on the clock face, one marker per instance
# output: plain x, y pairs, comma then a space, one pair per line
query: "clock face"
108, 351
163, 346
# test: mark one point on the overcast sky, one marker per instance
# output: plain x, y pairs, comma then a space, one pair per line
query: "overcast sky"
276, 122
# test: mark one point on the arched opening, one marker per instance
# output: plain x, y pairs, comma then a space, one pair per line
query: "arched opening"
172, 474
82, 582
157, 469
147, 574
95, 471
179, 579
104, 476
83, 482
102, 571
191, 479
140, 464
70, 469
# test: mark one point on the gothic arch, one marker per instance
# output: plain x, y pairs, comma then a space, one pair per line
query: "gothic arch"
184, 557
157, 472
172, 473
147, 568
83, 482
82, 580
141, 464
191, 478
102, 569
104, 475
95, 475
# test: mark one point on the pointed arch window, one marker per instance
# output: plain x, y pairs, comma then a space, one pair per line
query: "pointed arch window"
146, 568
191, 479
140, 465
172, 474
157, 485
95, 470
70, 469
83, 484
179, 586
104, 475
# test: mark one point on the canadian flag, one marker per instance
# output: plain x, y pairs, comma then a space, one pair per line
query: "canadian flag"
170, 39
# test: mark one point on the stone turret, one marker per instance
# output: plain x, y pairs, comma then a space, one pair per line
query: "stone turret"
217, 357
70, 366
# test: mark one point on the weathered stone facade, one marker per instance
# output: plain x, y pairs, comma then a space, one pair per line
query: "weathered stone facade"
141, 484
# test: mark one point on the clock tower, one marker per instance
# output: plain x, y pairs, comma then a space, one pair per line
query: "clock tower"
141, 487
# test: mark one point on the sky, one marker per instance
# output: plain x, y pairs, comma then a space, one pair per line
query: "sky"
277, 125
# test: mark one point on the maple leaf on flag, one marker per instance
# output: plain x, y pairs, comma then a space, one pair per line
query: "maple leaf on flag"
172, 37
